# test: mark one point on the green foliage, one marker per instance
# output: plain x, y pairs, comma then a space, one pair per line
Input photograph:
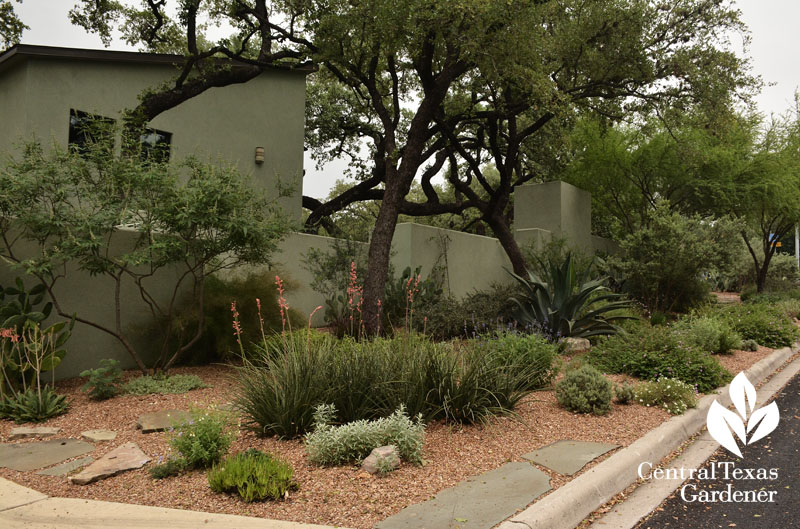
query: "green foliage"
163, 384
104, 381
749, 345
766, 324
11, 27
352, 442
253, 475
668, 393
482, 311
218, 340
664, 262
407, 295
624, 393
200, 218
712, 334
585, 390
32, 405
27, 349
173, 466
371, 379
203, 439
651, 353
335, 275
567, 304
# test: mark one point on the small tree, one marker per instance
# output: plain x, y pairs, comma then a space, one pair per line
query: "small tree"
85, 208
665, 261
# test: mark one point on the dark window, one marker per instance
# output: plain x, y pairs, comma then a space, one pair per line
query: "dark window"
86, 130
155, 145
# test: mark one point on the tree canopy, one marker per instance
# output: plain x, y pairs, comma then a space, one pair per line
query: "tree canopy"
416, 89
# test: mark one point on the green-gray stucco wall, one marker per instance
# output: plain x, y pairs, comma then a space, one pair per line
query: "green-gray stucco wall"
221, 125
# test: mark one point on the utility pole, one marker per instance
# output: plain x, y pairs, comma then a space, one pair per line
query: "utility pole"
797, 244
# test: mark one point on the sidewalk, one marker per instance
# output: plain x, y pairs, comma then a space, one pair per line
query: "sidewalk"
21, 507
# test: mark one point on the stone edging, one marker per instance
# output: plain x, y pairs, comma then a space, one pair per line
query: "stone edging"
567, 506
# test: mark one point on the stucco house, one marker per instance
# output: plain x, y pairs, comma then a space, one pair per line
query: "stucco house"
46, 93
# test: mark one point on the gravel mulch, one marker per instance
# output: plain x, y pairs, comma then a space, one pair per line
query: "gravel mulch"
342, 496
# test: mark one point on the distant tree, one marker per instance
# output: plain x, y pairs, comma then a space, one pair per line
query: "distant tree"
11, 27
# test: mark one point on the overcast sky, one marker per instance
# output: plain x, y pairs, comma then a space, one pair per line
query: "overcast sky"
774, 52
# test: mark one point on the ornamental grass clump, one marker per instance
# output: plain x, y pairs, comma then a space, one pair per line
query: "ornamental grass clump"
352, 442
667, 393
254, 476
585, 390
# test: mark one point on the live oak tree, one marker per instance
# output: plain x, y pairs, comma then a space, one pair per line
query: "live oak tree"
11, 27
418, 88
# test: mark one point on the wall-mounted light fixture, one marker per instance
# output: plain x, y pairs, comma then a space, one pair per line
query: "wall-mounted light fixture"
259, 155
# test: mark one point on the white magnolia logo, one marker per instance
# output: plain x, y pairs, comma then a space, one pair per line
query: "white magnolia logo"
721, 420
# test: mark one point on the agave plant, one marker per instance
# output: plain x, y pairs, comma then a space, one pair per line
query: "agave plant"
567, 303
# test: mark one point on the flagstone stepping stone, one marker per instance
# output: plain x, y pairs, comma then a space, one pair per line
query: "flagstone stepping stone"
481, 502
568, 457
159, 421
65, 468
32, 456
98, 436
24, 432
125, 457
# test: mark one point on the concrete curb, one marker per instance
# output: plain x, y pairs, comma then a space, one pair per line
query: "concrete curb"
566, 507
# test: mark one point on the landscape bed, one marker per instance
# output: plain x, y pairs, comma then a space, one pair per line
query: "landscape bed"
343, 496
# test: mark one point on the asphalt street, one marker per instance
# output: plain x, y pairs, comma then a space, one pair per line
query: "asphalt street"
777, 454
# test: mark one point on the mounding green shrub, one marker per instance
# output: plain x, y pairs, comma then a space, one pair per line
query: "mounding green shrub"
749, 345
668, 393
624, 393
712, 334
163, 384
352, 442
254, 476
766, 324
651, 353
203, 439
104, 382
585, 390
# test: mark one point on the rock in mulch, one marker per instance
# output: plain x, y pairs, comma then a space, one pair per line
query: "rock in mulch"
125, 457
98, 436
161, 420
39, 431
375, 460
65, 468
577, 345
32, 456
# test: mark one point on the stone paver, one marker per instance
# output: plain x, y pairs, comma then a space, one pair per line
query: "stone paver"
98, 436
480, 502
568, 457
23, 432
32, 456
159, 421
65, 468
125, 457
